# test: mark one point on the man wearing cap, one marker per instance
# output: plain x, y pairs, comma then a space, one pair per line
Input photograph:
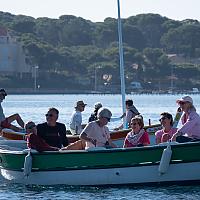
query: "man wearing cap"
190, 131
5, 122
96, 133
76, 118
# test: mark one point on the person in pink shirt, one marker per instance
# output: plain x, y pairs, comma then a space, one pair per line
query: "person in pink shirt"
167, 131
138, 136
190, 130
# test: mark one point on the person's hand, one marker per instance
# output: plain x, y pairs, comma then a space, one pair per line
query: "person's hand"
124, 114
92, 141
173, 138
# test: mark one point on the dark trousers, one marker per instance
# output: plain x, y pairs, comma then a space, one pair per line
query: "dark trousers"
182, 139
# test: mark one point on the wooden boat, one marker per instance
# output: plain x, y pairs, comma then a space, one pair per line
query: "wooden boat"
116, 136
152, 164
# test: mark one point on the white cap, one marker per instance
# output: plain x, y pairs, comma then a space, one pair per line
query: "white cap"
185, 99
97, 105
104, 112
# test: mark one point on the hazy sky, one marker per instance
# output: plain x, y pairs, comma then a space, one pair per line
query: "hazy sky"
98, 10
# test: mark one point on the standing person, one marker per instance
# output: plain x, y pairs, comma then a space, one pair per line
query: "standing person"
138, 136
5, 122
53, 132
93, 116
34, 141
96, 133
131, 111
190, 130
167, 131
76, 118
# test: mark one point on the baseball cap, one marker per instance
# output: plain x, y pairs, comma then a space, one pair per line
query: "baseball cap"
80, 103
104, 112
185, 99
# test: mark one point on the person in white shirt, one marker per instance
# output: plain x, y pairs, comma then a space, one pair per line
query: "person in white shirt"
96, 133
76, 118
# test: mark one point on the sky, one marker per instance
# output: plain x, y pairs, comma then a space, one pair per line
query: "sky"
98, 10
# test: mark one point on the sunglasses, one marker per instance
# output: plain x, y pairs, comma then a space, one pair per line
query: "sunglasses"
32, 126
134, 123
162, 118
107, 118
49, 115
182, 102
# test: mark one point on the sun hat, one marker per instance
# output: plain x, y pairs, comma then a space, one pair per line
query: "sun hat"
80, 103
97, 105
104, 112
185, 99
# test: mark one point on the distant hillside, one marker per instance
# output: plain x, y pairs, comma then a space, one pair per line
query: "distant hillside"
73, 52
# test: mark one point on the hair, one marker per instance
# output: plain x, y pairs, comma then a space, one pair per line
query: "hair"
169, 116
27, 124
139, 119
191, 106
129, 102
54, 110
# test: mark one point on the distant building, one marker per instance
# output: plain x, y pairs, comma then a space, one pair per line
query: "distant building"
180, 59
12, 56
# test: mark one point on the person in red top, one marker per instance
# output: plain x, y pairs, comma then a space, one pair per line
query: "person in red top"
36, 142
138, 136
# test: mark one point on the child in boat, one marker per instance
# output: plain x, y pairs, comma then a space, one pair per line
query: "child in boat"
167, 131
96, 133
190, 130
138, 136
36, 142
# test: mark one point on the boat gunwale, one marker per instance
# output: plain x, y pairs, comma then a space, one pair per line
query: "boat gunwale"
113, 150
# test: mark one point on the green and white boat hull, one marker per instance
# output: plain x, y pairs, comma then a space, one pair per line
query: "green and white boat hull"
103, 167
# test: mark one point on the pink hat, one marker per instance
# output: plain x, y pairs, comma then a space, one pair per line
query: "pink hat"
185, 99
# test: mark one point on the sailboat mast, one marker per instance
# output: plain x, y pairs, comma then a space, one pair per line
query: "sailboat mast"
121, 55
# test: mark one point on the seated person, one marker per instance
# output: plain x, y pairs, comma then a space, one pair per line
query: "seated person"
76, 118
138, 136
167, 131
36, 142
190, 130
53, 132
5, 122
96, 133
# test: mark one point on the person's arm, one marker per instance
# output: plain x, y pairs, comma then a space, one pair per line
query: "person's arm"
78, 126
83, 136
63, 136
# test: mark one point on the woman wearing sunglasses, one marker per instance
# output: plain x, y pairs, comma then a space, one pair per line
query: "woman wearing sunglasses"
167, 131
138, 136
96, 133
190, 130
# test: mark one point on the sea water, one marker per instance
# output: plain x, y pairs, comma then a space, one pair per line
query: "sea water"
34, 107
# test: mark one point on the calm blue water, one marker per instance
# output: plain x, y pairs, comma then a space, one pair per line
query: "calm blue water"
34, 107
